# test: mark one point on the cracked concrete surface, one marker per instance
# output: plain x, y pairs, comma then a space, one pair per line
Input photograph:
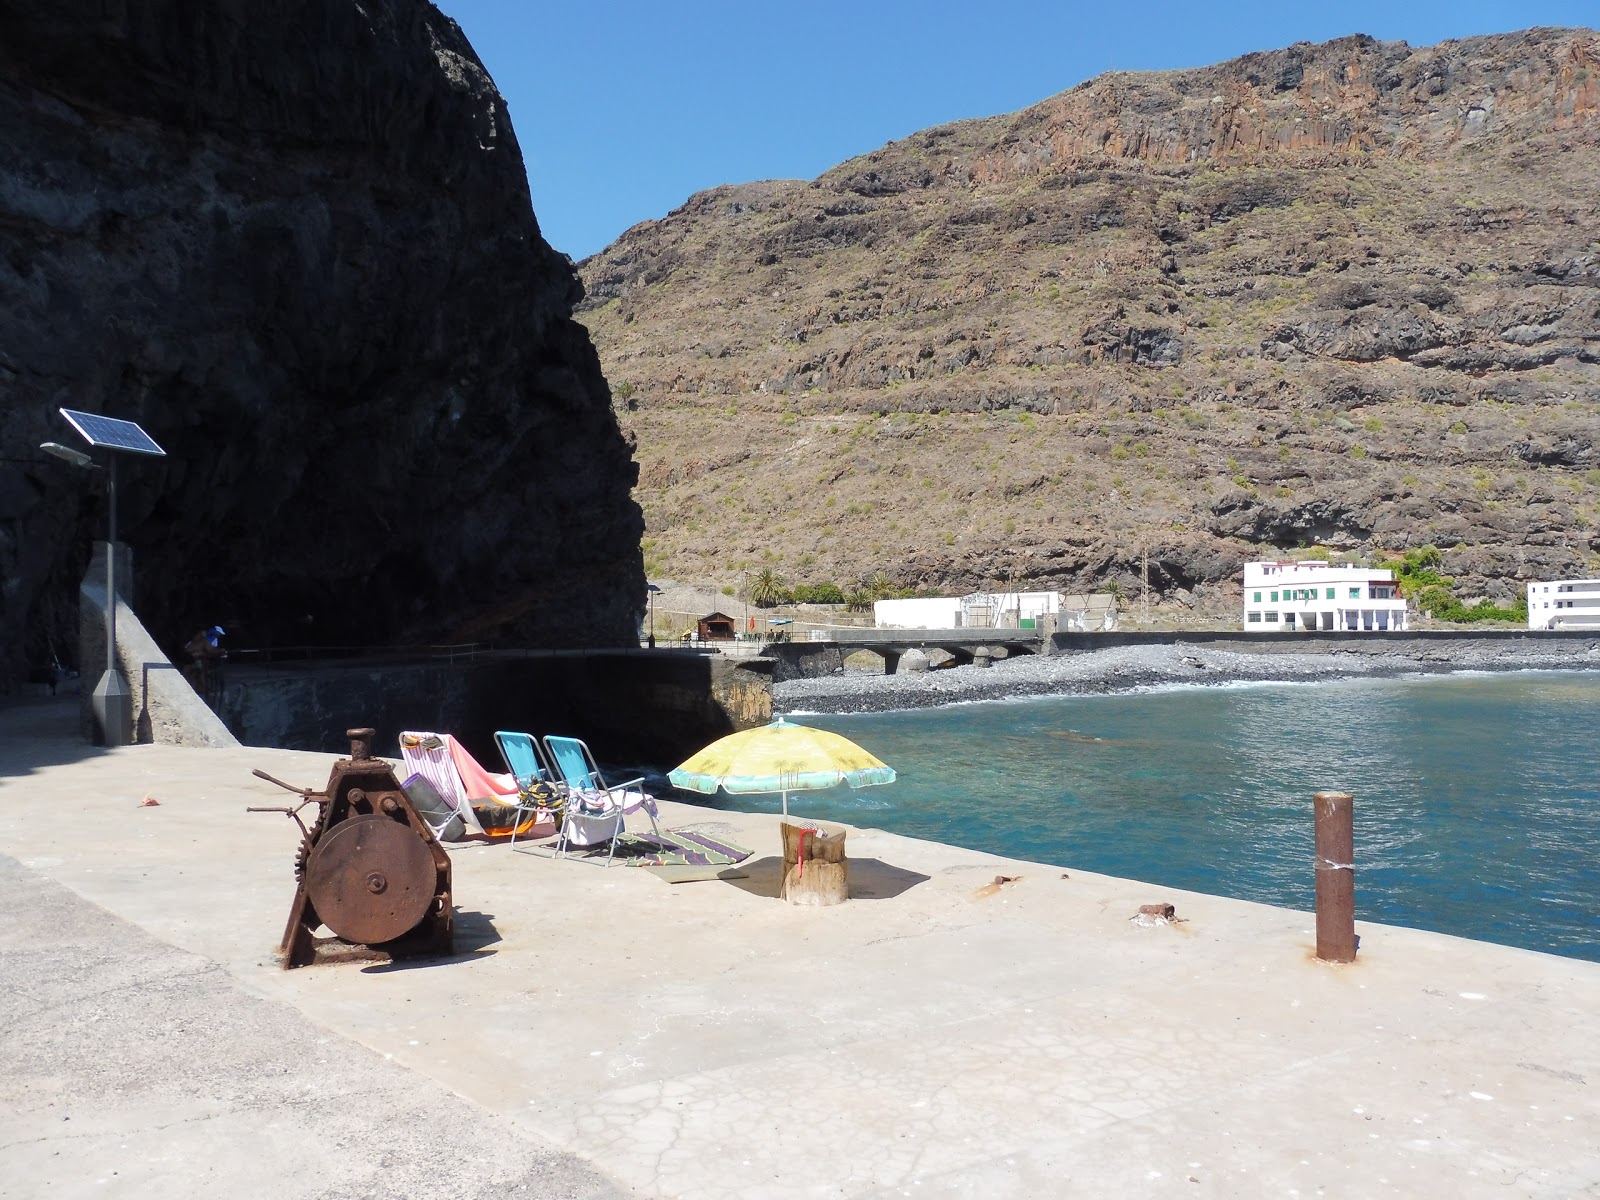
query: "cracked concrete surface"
933, 1037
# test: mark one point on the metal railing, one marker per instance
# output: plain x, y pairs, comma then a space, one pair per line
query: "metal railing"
268, 656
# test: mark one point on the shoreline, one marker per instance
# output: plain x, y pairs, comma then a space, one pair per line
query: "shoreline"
1121, 669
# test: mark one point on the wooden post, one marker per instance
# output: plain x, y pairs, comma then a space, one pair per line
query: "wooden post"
1336, 876
815, 870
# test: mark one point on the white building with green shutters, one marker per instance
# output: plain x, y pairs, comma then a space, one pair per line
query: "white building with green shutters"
1317, 596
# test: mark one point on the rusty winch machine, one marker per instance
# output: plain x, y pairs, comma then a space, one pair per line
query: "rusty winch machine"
368, 868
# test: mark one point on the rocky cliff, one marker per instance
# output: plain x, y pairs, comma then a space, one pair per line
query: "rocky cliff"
294, 240
1344, 294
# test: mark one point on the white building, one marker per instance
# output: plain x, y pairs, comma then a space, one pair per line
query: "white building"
924, 612
1564, 604
1008, 610
1316, 595
1090, 613
979, 610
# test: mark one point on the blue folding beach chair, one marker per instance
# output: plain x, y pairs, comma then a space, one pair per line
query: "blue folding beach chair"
595, 811
538, 790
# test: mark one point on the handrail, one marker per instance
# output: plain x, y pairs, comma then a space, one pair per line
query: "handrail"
267, 655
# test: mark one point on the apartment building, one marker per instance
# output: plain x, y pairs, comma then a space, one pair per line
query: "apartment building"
1315, 595
1564, 604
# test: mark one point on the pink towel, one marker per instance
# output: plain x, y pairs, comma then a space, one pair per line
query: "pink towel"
480, 784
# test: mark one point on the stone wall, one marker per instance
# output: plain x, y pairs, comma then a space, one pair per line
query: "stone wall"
804, 660
1424, 644
632, 706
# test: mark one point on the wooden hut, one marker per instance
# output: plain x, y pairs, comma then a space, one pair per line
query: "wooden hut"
715, 627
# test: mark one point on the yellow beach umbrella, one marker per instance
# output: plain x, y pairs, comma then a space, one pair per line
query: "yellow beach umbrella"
780, 757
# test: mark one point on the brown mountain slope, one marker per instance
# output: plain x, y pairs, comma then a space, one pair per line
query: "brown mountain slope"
1346, 293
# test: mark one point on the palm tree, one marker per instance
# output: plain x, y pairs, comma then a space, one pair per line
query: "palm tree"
766, 589
859, 601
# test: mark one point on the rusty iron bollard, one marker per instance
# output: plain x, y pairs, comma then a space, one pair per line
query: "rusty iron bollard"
360, 743
1336, 876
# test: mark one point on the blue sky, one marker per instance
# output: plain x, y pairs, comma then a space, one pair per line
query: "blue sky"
626, 109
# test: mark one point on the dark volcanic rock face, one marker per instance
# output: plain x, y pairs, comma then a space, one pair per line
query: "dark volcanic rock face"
294, 240
1345, 293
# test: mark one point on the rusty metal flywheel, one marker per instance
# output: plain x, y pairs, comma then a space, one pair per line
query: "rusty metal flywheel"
371, 879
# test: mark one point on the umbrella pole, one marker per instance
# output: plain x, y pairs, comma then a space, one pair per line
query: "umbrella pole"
786, 805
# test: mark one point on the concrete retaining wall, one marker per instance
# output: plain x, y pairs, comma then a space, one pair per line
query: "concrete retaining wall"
166, 709
633, 706
1412, 642
637, 706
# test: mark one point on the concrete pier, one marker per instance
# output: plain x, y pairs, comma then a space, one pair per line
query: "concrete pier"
601, 1032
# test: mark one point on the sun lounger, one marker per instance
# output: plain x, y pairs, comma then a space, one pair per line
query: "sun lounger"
538, 791
595, 812
486, 800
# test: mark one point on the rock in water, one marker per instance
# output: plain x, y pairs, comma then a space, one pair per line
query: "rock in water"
294, 240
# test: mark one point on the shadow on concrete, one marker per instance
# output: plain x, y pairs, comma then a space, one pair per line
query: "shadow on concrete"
474, 934
38, 732
870, 878
874, 879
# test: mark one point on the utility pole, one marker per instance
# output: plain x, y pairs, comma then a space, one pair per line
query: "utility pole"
1144, 551
112, 702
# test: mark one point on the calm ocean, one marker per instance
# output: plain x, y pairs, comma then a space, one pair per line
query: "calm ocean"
1477, 796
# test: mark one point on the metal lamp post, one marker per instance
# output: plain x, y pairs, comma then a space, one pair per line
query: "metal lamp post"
651, 589
113, 700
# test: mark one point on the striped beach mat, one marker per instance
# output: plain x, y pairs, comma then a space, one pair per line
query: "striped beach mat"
675, 848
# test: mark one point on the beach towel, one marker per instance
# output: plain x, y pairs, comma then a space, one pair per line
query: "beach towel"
592, 815
486, 800
480, 784
678, 848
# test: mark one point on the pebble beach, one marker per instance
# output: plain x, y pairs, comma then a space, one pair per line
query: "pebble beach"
1130, 668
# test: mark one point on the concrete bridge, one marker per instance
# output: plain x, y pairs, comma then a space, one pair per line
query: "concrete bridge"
964, 645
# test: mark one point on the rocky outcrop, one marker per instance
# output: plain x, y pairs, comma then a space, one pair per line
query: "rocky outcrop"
294, 240
1343, 294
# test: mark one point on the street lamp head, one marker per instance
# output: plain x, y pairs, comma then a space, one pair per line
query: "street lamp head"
67, 454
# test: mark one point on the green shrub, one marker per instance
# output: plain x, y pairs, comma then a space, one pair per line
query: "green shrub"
1419, 579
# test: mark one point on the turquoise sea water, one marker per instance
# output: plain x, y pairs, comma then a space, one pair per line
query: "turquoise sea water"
1477, 796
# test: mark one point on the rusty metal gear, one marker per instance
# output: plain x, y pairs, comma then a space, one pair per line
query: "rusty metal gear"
371, 878
369, 869
310, 839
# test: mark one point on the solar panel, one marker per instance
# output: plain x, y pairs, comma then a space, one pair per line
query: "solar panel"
112, 433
